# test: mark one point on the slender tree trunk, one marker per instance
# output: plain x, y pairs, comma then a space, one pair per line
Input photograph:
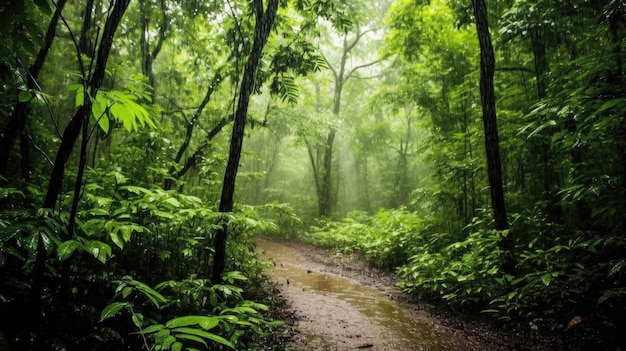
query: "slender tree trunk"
148, 55
192, 160
193, 121
264, 23
326, 189
488, 101
17, 122
68, 140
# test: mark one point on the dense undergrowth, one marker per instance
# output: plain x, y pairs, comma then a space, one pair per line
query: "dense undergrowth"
564, 282
134, 275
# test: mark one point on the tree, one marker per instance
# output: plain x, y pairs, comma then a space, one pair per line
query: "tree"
488, 100
71, 132
264, 21
18, 120
322, 168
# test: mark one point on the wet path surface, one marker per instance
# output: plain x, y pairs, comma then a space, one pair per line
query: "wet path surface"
338, 313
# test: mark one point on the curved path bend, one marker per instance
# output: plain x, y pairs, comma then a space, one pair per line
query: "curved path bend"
335, 312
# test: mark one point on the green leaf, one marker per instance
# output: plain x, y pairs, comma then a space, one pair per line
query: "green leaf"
112, 309
153, 329
203, 334
126, 291
98, 112
617, 293
192, 320
24, 96
177, 346
209, 324
168, 342
550, 123
80, 97
154, 296
44, 6
192, 337
99, 250
607, 105
617, 267
137, 319
116, 239
67, 248
546, 278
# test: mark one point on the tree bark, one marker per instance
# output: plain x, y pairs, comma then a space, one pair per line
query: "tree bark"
488, 101
192, 160
70, 134
148, 56
325, 190
264, 23
17, 121
492, 147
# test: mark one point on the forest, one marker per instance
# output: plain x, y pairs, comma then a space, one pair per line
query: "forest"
477, 149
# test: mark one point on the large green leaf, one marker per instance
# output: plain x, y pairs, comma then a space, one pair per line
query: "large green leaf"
67, 248
99, 250
99, 113
44, 6
112, 309
205, 322
187, 332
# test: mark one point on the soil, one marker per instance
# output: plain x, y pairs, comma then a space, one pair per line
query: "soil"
308, 312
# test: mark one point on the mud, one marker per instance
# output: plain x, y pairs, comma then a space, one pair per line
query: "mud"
339, 304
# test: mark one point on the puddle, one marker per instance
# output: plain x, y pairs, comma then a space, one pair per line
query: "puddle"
342, 314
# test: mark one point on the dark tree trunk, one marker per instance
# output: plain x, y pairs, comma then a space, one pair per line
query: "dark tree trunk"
70, 134
488, 101
17, 121
192, 160
149, 55
324, 180
193, 121
325, 201
85, 43
264, 22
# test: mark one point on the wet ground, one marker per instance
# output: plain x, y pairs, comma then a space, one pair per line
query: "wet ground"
338, 308
339, 302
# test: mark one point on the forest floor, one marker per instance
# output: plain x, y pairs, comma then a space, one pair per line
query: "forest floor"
322, 311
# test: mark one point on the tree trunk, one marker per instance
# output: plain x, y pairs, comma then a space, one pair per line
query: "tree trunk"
488, 101
325, 202
147, 55
70, 134
193, 121
17, 121
192, 160
264, 22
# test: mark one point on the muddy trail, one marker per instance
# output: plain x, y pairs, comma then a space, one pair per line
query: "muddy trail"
341, 304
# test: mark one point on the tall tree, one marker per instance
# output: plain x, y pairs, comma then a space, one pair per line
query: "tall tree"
488, 101
492, 145
264, 22
17, 121
70, 135
322, 168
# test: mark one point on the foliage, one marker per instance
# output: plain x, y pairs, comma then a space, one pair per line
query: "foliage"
126, 228
554, 281
408, 185
386, 239
229, 317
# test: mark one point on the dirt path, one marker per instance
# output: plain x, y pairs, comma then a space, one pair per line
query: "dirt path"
341, 304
